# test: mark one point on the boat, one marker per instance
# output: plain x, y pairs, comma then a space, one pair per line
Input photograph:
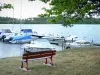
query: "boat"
38, 45
30, 32
82, 42
71, 38
73, 41
55, 40
21, 39
25, 36
96, 44
5, 33
27, 31
78, 43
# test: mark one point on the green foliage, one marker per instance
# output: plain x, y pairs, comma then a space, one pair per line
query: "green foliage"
5, 6
8, 20
71, 11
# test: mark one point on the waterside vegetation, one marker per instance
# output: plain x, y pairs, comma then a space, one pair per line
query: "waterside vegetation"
38, 20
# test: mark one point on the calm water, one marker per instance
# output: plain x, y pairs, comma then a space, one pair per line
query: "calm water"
90, 31
9, 50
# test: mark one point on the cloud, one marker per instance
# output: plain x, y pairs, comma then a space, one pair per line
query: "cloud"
23, 9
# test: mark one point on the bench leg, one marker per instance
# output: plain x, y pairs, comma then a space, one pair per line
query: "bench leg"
27, 65
51, 60
46, 60
22, 65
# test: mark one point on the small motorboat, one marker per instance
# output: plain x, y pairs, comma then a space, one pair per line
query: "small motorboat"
5, 33
21, 39
25, 35
38, 45
27, 31
78, 43
55, 40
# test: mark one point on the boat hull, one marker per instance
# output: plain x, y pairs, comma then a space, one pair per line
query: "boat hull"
21, 40
34, 49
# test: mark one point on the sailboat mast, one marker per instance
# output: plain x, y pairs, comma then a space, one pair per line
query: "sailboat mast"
21, 15
13, 19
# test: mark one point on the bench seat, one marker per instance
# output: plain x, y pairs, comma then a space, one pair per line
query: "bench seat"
37, 56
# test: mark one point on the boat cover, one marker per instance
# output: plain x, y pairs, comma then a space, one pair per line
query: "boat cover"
0, 32
22, 37
26, 30
6, 31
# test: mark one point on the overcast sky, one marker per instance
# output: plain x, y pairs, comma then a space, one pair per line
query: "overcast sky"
29, 9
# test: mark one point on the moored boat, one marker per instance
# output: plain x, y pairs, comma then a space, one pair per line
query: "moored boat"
38, 45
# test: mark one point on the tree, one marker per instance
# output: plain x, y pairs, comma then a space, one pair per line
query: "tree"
70, 11
5, 6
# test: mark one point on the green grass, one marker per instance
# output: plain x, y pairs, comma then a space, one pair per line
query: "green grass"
79, 61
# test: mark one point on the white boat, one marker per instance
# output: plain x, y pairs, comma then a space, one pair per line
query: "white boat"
73, 41
71, 38
26, 35
38, 45
78, 43
84, 42
27, 31
22, 39
55, 40
5, 33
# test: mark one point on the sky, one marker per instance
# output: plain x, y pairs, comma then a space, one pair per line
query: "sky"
23, 8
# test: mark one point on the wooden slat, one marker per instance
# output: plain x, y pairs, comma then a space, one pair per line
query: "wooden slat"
41, 52
23, 60
33, 55
38, 56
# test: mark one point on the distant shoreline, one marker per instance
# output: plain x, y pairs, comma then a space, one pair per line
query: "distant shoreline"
36, 20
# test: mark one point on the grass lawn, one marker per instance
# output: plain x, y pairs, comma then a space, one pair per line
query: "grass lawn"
78, 61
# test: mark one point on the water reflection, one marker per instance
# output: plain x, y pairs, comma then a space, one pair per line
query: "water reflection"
9, 50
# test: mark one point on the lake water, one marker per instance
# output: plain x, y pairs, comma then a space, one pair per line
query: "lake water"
90, 31
9, 50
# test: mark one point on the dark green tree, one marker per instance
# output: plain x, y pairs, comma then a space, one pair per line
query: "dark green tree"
5, 6
70, 11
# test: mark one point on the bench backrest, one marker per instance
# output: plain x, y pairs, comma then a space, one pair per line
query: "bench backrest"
32, 55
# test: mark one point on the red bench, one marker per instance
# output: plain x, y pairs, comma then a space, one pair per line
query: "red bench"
37, 55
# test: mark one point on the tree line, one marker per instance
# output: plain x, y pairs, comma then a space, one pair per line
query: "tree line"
38, 20
66, 12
